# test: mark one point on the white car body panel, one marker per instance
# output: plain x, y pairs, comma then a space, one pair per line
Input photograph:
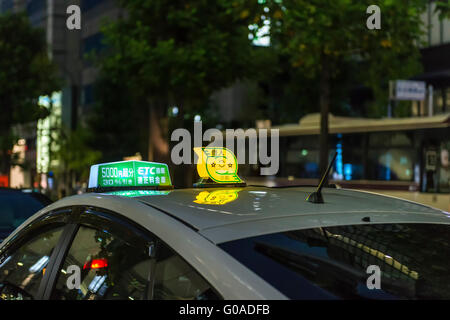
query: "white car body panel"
194, 229
259, 210
234, 281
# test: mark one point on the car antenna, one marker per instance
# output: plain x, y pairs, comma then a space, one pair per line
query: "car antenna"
316, 196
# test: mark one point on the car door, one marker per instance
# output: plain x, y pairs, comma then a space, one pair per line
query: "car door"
25, 260
111, 257
175, 279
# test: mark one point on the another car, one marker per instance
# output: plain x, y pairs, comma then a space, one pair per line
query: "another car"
16, 206
225, 242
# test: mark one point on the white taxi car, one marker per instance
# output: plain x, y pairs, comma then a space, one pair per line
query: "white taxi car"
135, 237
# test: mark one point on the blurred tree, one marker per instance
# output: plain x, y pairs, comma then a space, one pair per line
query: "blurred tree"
320, 38
443, 9
118, 120
75, 157
295, 93
177, 53
25, 74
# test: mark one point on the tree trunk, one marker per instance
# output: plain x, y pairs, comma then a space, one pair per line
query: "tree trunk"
150, 135
324, 110
158, 145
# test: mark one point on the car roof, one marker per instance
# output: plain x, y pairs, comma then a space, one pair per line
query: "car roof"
8, 190
27, 193
267, 210
259, 203
254, 211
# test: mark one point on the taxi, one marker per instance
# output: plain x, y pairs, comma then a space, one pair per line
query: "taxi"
134, 237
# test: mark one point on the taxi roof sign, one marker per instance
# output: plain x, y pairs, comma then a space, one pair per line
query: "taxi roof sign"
217, 166
129, 175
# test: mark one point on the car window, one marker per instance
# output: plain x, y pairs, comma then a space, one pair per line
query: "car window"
111, 265
121, 261
332, 262
22, 269
175, 279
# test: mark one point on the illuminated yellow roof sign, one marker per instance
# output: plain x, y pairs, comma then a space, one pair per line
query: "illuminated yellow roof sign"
217, 166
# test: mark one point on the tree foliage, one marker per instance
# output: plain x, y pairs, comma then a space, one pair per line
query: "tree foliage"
75, 155
166, 53
118, 120
25, 74
314, 33
183, 51
321, 38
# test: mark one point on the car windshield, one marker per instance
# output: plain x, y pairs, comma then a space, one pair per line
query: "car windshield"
15, 208
333, 262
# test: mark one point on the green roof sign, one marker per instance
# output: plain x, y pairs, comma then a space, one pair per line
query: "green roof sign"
139, 193
130, 174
